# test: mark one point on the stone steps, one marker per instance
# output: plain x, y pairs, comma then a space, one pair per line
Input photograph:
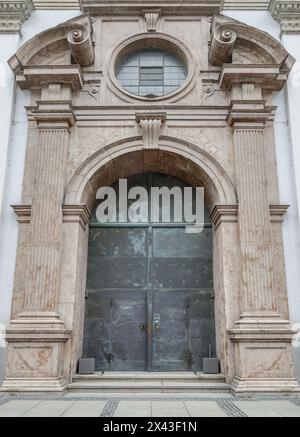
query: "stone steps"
156, 382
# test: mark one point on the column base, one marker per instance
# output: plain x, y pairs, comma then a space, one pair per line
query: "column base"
263, 356
32, 385
35, 354
264, 385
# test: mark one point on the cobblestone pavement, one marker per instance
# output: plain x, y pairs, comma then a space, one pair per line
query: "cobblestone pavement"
149, 405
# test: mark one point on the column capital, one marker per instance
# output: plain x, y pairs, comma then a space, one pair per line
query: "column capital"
52, 114
287, 14
13, 13
224, 214
252, 114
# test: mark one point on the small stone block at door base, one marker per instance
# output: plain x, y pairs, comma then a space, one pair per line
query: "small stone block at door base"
211, 365
86, 366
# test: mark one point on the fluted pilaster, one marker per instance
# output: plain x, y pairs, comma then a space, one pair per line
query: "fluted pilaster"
42, 280
257, 281
43, 262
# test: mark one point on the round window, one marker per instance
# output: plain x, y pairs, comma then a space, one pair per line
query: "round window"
151, 72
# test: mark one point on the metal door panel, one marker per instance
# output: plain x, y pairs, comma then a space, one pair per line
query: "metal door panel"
115, 332
177, 273
170, 341
175, 242
118, 258
97, 328
137, 275
128, 334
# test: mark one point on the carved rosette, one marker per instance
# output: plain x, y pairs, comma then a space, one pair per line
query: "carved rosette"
150, 125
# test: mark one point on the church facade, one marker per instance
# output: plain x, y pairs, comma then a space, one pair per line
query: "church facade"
177, 94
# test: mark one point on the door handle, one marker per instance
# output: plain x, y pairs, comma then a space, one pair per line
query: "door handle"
156, 319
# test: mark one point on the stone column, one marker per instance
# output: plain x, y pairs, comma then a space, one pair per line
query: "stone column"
36, 337
262, 340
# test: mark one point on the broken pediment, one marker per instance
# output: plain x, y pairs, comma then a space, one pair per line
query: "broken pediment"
67, 46
247, 55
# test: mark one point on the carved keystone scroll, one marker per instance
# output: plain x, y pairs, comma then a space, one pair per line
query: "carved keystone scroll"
152, 19
151, 125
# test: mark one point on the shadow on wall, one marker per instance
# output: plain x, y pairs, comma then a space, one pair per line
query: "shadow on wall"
2, 361
296, 351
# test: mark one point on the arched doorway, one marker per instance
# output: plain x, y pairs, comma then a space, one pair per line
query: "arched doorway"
149, 299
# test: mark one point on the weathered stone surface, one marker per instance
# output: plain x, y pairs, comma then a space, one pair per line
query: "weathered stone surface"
86, 131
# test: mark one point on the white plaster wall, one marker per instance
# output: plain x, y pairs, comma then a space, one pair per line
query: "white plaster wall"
9, 44
13, 135
287, 138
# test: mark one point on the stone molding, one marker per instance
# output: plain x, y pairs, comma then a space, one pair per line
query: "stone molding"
65, 74
224, 214
249, 114
151, 127
135, 7
71, 214
53, 114
76, 214
13, 13
246, 5
268, 77
55, 4
229, 214
287, 14
278, 212
22, 212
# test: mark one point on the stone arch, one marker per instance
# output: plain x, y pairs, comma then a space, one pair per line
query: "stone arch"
175, 157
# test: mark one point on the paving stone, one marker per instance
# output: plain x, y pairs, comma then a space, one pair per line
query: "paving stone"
269, 408
16, 408
133, 409
85, 409
49, 409
169, 409
204, 409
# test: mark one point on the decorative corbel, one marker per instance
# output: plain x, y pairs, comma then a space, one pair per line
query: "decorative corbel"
152, 19
151, 126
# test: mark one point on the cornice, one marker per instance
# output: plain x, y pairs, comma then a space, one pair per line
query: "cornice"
55, 4
287, 13
246, 5
13, 13
134, 7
